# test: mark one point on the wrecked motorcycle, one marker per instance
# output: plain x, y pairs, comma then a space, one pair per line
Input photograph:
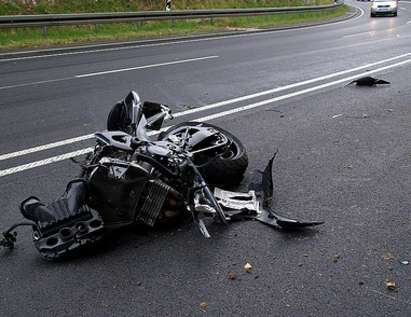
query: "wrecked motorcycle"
133, 178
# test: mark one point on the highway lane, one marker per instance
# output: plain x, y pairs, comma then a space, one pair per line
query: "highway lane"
312, 53
167, 273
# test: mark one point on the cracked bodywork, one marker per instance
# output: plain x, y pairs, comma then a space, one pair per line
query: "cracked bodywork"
239, 206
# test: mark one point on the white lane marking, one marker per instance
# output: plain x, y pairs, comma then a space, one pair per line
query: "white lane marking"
108, 72
45, 147
356, 34
146, 66
62, 157
409, 22
210, 106
298, 93
172, 42
34, 83
50, 160
295, 85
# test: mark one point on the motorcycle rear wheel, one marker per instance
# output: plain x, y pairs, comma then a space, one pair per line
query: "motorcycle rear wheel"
225, 169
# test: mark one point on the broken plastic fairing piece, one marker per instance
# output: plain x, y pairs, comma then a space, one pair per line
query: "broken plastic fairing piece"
246, 205
269, 216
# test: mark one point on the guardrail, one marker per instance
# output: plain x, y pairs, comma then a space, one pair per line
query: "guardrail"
43, 20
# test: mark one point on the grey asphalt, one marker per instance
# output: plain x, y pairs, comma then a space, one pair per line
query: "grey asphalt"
344, 158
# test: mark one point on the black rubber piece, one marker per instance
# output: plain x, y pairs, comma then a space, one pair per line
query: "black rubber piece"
219, 171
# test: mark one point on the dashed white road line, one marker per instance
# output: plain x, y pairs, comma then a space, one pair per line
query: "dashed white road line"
146, 66
34, 83
176, 62
62, 157
210, 106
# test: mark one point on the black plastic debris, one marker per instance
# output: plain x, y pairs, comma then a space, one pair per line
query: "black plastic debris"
369, 82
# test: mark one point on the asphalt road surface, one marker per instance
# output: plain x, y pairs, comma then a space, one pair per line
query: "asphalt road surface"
345, 158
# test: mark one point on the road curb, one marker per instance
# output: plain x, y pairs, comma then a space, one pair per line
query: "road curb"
352, 13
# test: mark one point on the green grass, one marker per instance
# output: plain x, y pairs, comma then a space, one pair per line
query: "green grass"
10, 7
64, 35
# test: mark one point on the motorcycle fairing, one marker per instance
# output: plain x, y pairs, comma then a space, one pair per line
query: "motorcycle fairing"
64, 225
238, 206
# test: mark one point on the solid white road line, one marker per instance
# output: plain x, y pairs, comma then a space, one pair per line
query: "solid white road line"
182, 61
298, 93
50, 160
176, 41
147, 66
409, 22
210, 106
58, 158
45, 147
295, 85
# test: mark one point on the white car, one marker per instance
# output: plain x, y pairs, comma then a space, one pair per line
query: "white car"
383, 7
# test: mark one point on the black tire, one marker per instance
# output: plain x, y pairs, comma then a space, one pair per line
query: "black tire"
221, 170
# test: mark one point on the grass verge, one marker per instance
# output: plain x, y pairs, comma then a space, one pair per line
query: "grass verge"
10, 7
66, 35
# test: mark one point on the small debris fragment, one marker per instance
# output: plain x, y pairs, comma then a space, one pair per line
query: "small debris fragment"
282, 116
365, 116
404, 262
391, 285
388, 257
300, 264
248, 267
349, 166
335, 258
389, 110
361, 283
337, 116
232, 276
256, 277
204, 306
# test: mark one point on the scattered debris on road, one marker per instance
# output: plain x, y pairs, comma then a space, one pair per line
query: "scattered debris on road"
404, 262
248, 267
369, 82
388, 257
232, 276
335, 258
204, 306
391, 285
337, 116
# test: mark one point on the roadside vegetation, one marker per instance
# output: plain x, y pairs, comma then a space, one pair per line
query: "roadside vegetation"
66, 35
11, 7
